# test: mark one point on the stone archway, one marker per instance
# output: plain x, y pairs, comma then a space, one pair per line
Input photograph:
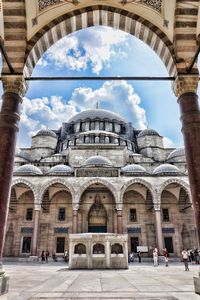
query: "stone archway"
106, 16
139, 181
180, 182
32, 187
108, 185
63, 182
177, 216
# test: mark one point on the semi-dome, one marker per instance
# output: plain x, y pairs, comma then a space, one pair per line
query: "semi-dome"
23, 155
27, 170
148, 131
133, 169
60, 170
97, 161
46, 132
96, 114
177, 153
166, 169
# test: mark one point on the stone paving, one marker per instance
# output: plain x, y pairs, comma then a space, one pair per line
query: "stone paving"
29, 281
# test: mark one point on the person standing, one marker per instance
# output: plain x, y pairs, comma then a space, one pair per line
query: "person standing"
185, 259
139, 256
46, 255
43, 256
155, 257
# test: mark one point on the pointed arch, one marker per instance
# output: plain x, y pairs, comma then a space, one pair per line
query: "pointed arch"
32, 187
105, 16
180, 182
135, 181
95, 181
54, 181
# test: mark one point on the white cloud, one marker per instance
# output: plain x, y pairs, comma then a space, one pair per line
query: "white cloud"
89, 48
118, 96
51, 112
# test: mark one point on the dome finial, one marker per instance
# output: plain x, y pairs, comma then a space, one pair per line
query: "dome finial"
97, 104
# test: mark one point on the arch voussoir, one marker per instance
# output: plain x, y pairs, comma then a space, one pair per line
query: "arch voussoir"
106, 16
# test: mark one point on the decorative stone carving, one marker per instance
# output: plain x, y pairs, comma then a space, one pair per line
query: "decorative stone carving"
15, 84
96, 173
154, 4
42, 4
185, 84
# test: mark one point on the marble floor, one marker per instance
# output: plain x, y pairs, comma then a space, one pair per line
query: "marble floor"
36, 281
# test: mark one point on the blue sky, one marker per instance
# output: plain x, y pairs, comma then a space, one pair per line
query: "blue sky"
100, 51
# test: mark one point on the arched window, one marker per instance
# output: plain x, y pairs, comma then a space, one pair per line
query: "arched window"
98, 249
116, 248
80, 249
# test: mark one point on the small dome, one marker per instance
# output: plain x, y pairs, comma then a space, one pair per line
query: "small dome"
133, 169
166, 169
27, 170
60, 170
46, 132
148, 131
176, 153
97, 161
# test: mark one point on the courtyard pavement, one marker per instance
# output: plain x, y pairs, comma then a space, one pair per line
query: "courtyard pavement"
34, 281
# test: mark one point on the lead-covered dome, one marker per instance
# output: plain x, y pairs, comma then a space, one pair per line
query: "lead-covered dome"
46, 132
133, 169
148, 131
92, 114
177, 153
97, 161
27, 170
60, 170
166, 169
23, 155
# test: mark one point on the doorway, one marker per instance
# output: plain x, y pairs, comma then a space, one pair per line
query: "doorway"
169, 244
60, 245
134, 244
97, 217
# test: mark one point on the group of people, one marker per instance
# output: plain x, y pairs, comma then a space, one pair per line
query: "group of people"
131, 257
192, 256
45, 255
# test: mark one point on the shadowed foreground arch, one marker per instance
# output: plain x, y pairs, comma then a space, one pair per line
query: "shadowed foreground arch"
105, 16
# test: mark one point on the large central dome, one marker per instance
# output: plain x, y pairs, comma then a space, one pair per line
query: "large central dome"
92, 114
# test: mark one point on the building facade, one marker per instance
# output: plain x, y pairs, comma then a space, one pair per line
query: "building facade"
99, 174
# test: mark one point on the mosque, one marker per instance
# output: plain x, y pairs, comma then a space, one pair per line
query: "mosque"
98, 174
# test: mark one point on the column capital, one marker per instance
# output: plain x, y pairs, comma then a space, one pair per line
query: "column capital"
185, 84
14, 84
119, 206
75, 207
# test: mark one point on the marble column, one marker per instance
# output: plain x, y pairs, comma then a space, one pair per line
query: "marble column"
14, 89
119, 222
75, 222
35, 232
159, 237
185, 88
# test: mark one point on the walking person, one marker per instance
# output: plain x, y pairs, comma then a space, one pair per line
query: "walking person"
185, 259
166, 255
155, 257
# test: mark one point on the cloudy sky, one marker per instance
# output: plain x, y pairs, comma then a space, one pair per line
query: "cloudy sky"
100, 51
